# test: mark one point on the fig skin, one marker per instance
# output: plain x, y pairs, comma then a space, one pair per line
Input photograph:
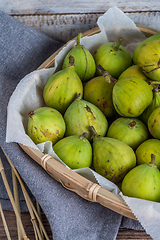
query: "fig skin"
113, 57
99, 92
142, 182
112, 158
138, 48
62, 87
149, 59
45, 124
75, 151
144, 151
131, 131
133, 71
85, 66
80, 115
154, 123
153, 105
131, 96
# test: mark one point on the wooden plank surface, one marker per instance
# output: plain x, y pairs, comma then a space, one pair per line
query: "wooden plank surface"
66, 27
74, 6
63, 20
123, 234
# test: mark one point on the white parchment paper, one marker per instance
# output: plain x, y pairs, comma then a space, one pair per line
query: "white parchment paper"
28, 97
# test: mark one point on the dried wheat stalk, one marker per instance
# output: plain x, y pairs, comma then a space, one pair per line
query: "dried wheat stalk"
38, 227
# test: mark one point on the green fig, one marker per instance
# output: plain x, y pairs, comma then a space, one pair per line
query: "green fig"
131, 96
133, 71
154, 123
99, 92
143, 182
84, 62
138, 48
131, 131
153, 105
144, 151
113, 57
80, 115
112, 158
45, 124
75, 151
62, 88
149, 59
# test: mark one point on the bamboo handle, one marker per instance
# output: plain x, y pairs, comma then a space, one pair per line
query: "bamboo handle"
78, 184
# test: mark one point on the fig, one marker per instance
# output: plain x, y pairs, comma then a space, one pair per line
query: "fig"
85, 66
75, 151
45, 124
113, 57
131, 131
143, 182
138, 48
149, 59
144, 151
154, 123
153, 105
133, 71
99, 92
131, 96
62, 88
81, 114
112, 158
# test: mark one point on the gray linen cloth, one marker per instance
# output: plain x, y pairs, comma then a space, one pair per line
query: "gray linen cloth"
71, 217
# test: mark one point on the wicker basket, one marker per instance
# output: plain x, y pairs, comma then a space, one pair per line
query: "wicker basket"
72, 180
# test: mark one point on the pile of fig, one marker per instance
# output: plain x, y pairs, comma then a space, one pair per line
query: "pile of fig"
102, 111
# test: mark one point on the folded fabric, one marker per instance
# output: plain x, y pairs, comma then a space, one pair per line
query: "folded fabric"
70, 216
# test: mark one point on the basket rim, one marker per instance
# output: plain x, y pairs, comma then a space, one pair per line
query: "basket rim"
61, 173
79, 184
50, 61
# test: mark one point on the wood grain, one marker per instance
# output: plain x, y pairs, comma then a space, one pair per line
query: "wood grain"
11, 222
63, 20
83, 6
67, 26
123, 234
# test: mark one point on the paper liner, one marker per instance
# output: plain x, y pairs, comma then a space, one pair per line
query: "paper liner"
147, 212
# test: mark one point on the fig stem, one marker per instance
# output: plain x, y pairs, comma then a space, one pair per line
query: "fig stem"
153, 158
132, 124
83, 135
105, 73
78, 38
117, 45
93, 131
78, 97
31, 113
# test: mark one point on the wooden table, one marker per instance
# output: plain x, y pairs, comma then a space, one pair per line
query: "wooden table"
123, 234
63, 20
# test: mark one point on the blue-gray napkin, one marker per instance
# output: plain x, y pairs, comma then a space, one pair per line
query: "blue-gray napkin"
71, 217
